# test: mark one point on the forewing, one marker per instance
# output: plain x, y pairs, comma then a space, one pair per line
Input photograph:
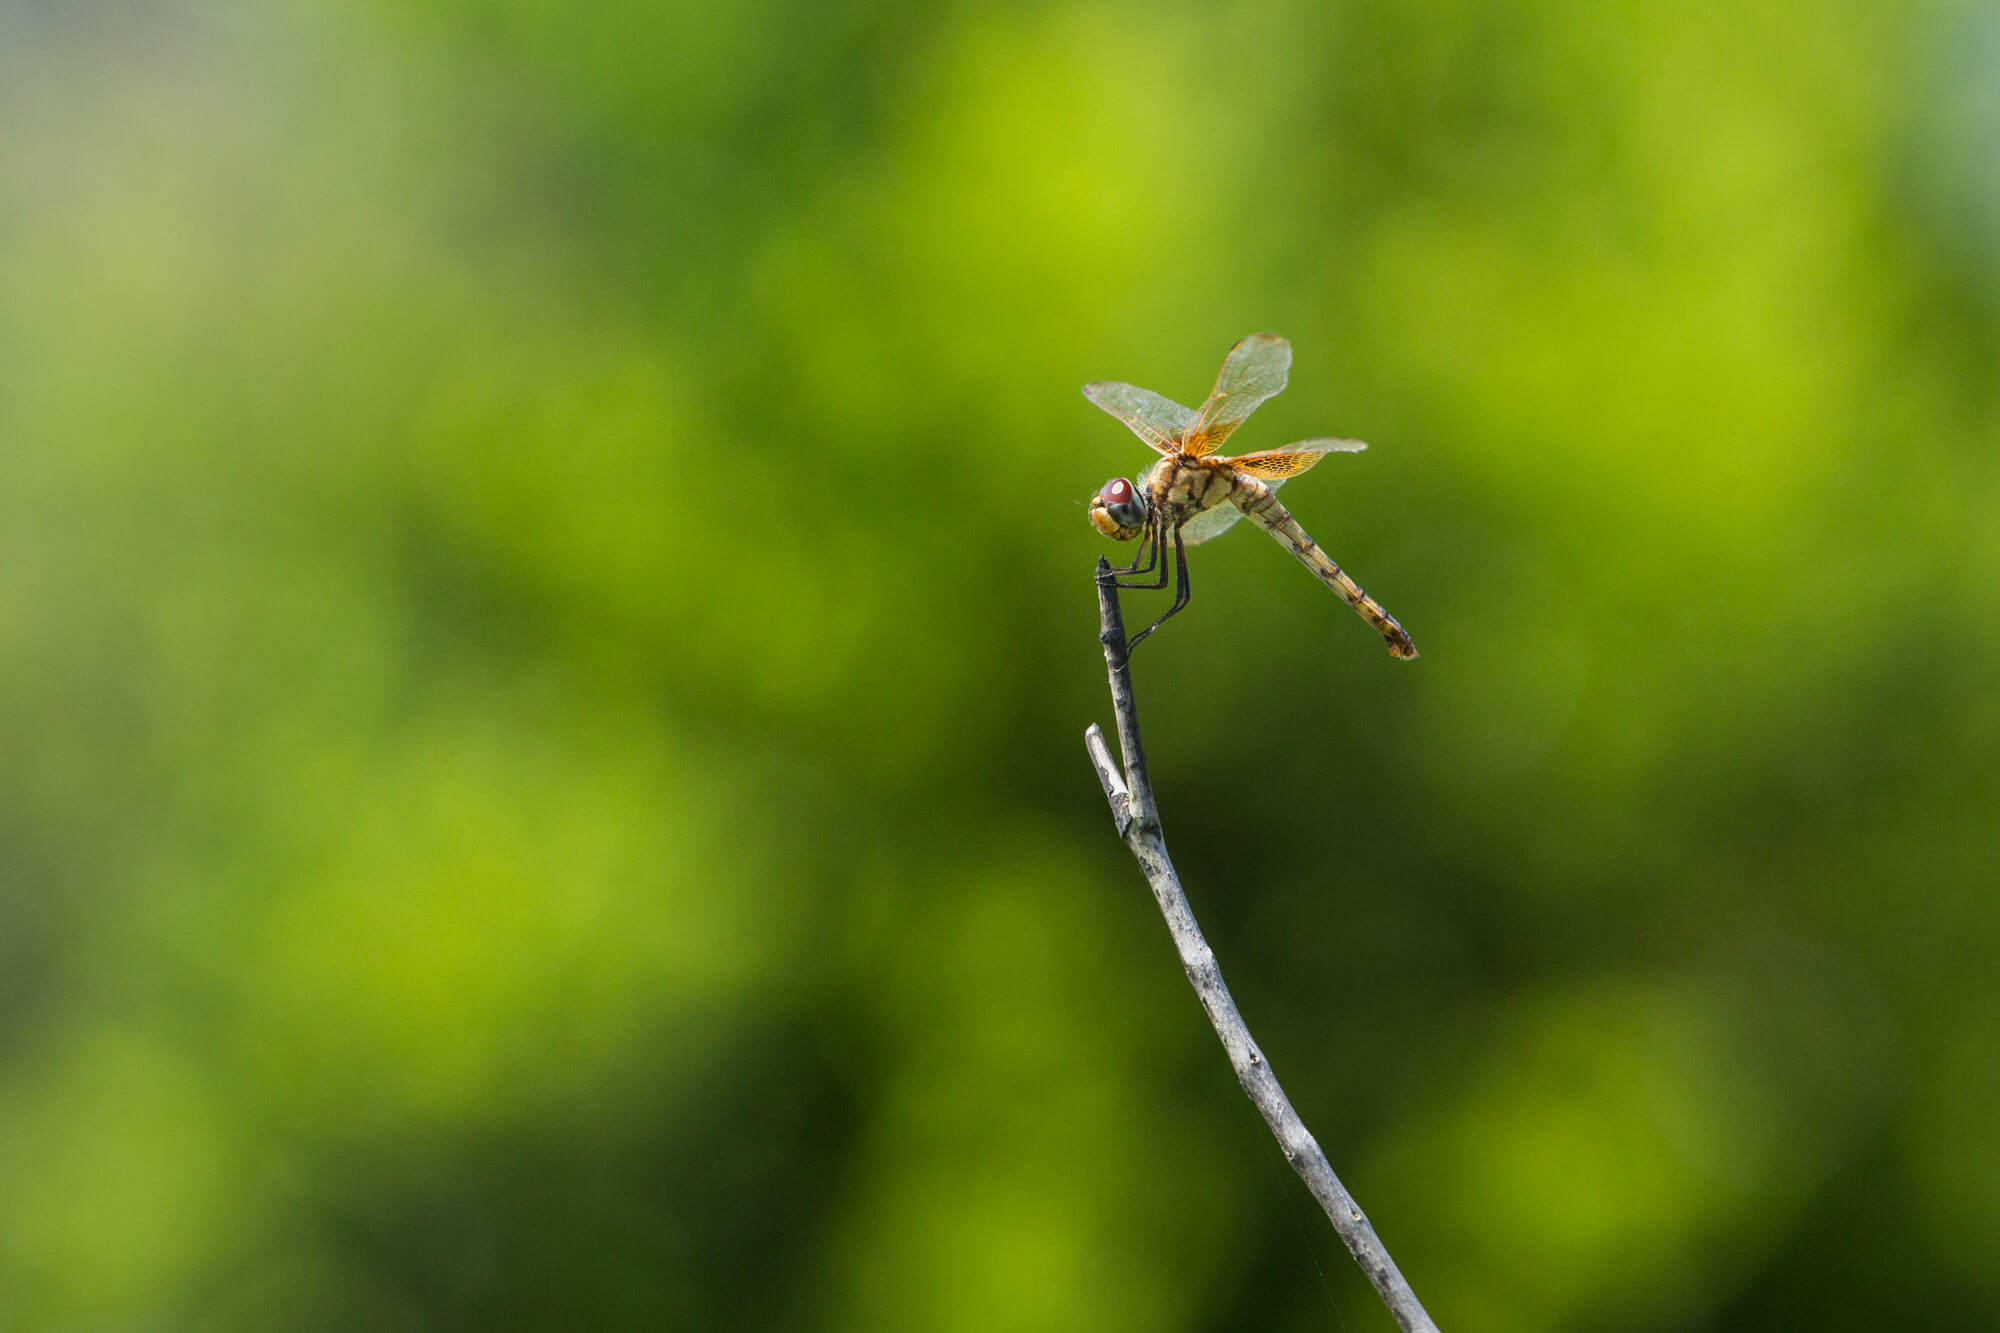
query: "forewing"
1212, 523
1273, 464
1158, 420
1254, 370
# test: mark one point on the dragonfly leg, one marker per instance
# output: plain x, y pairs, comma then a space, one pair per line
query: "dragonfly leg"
1151, 546
1146, 548
1180, 593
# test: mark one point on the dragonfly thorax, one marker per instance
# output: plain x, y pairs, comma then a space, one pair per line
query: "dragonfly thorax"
1118, 510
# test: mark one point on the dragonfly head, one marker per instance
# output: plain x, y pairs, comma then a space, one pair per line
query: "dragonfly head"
1119, 510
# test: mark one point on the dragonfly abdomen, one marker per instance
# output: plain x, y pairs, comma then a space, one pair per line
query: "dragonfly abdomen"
1254, 498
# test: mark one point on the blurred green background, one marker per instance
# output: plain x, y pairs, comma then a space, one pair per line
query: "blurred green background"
545, 637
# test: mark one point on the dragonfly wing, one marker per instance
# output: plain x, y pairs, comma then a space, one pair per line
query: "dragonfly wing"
1212, 523
1158, 420
1254, 370
1274, 464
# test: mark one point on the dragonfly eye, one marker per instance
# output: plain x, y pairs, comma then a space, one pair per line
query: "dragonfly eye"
1123, 502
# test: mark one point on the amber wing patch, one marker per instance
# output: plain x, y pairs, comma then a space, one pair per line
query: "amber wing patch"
1274, 465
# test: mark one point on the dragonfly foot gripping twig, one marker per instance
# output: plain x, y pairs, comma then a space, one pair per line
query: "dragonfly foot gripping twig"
1130, 794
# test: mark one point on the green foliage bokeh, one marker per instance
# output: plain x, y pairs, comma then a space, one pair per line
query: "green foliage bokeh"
545, 636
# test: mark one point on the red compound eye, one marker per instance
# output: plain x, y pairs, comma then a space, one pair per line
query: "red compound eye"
1122, 503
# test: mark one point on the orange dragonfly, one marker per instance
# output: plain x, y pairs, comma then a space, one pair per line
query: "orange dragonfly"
1192, 495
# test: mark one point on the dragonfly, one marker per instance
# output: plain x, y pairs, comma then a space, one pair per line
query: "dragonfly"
1192, 495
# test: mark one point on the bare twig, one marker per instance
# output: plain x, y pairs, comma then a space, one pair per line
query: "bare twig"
1130, 795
